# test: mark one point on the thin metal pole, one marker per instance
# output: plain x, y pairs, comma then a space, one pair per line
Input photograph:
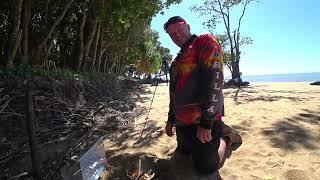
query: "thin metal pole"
31, 134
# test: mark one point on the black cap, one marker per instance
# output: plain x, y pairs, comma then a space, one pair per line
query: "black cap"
172, 20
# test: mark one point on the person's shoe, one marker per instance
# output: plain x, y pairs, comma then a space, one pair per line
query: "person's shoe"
232, 138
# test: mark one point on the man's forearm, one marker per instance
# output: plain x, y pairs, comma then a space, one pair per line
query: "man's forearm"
171, 113
211, 97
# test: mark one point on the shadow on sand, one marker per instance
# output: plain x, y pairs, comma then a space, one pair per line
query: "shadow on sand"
123, 165
247, 95
144, 138
178, 167
289, 133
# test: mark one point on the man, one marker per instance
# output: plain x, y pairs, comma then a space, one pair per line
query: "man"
196, 99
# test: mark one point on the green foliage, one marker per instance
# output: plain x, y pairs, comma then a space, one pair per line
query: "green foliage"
97, 77
23, 71
125, 31
150, 58
20, 71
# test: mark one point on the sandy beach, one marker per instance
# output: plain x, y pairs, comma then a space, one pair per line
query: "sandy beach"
279, 124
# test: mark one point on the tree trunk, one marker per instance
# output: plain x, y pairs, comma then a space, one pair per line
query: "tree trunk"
26, 21
15, 31
37, 53
227, 26
123, 69
105, 64
235, 70
112, 66
93, 25
102, 48
236, 59
14, 49
95, 48
100, 54
46, 12
117, 65
46, 54
81, 48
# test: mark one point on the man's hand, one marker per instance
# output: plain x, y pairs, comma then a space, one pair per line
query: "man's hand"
204, 135
169, 129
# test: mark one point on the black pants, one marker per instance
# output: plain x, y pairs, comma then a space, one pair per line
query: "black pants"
204, 155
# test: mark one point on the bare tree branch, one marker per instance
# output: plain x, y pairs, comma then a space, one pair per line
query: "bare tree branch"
224, 16
243, 11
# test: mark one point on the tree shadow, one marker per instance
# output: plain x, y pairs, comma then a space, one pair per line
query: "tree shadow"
246, 95
149, 133
241, 128
235, 98
289, 133
123, 140
122, 165
176, 167
291, 91
136, 94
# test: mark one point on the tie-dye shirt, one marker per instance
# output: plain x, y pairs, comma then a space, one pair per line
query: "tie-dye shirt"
196, 79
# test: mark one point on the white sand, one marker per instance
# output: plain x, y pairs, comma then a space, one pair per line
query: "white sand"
279, 123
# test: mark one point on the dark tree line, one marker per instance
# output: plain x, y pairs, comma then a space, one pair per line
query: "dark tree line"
83, 35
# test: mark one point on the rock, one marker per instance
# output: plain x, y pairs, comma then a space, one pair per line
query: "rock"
315, 83
233, 83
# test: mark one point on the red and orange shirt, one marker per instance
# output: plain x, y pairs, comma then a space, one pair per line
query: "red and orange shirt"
196, 79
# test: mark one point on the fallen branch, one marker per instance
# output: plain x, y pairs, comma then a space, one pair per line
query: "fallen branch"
61, 139
12, 113
3, 107
50, 130
11, 156
19, 175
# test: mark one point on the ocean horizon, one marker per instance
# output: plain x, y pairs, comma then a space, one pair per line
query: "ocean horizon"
290, 77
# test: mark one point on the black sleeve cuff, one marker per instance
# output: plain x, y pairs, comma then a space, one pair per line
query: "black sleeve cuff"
207, 120
206, 124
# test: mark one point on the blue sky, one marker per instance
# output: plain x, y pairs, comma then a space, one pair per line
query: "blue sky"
286, 34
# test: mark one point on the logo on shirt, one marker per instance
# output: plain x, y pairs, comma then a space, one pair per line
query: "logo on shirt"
217, 65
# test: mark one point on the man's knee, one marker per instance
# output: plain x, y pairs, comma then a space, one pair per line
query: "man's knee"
181, 148
222, 152
206, 163
206, 168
